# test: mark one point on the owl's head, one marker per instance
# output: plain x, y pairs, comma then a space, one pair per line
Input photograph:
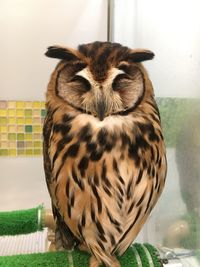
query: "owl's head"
100, 78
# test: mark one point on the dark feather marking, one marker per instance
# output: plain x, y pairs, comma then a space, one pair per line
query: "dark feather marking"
72, 199
73, 150
141, 199
112, 239
128, 191
104, 177
67, 118
91, 147
62, 128
127, 231
96, 155
69, 210
80, 229
85, 133
102, 137
92, 213
60, 146
139, 177
109, 146
77, 180
133, 153
83, 219
83, 165
67, 188
158, 155
149, 200
115, 167
99, 203
100, 228
131, 207
153, 171
112, 220
125, 140
96, 180
144, 164
152, 154
107, 191
156, 184
102, 237
149, 170
120, 189
159, 162
101, 245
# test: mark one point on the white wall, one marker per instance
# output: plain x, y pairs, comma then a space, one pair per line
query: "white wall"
171, 29
28, 27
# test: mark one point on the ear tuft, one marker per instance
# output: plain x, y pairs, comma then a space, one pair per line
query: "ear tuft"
140, 55
61, 53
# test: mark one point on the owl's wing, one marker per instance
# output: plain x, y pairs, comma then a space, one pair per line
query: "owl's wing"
63, 235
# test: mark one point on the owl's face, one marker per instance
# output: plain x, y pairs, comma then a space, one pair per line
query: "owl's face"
100, 78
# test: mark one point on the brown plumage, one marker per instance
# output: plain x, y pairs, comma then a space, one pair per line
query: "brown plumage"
104, 154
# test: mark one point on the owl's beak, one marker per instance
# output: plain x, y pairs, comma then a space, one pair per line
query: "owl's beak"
101, 109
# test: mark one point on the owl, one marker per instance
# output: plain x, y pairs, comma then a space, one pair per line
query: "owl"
104, 154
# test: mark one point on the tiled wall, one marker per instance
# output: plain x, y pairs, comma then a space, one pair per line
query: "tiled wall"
21, 128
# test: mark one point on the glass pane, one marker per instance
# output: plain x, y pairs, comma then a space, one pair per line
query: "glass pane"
171, 29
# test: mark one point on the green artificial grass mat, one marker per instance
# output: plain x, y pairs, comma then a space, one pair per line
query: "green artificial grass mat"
80, 259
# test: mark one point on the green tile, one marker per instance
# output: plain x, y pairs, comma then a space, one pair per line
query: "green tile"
20, 136
28, 128
43, 112
3, 120
12, 136
28, 112
3, 152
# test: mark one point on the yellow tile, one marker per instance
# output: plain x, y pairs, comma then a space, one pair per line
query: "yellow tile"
12, 128
12, 104
20, 112
42, 105
3, 144
11, 112
37, 128
36, 104
12, 144
11, 120
37, 112
37, 144
28, 120
3, 129
28, 136
20, 120
20, 104
3, 136
20, 128
3, 112
12, 152
36, 120
28, 104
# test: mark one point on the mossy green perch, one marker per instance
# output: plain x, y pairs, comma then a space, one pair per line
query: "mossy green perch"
32, 220
132, 258
21, 221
